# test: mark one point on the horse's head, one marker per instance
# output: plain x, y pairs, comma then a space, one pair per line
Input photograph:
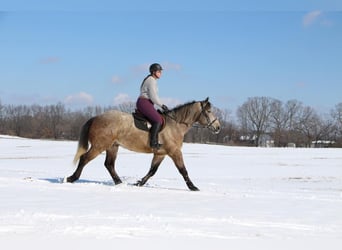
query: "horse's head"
207, 118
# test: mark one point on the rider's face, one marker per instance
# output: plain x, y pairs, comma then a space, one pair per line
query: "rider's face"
157, 74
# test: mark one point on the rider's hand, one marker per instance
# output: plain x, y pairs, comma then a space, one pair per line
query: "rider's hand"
165, 108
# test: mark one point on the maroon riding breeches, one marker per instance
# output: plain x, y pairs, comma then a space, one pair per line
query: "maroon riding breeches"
146, 107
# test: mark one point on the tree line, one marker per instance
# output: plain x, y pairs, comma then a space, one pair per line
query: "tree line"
290, 122
257, 120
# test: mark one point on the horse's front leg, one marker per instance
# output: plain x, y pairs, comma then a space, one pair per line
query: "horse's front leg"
157, 159
177, 158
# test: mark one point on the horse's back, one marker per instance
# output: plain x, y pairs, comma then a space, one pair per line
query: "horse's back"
115, 116
120, 128
110, 123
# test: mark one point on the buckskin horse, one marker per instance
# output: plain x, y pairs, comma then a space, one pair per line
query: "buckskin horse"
108, 131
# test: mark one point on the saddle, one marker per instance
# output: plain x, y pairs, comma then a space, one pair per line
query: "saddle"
141, 122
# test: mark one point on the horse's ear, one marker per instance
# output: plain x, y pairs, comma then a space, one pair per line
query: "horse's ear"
206, 102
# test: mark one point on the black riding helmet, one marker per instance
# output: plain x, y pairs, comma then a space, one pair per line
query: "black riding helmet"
155, 67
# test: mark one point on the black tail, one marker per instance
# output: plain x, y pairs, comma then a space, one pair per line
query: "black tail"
83, 142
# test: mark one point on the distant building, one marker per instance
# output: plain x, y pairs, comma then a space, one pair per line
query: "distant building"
322, 144
266, 140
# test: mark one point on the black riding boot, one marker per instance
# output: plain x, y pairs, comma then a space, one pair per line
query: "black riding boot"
154, 136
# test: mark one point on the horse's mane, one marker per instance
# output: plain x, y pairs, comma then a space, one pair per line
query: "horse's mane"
182, 112
185, 105
182, 106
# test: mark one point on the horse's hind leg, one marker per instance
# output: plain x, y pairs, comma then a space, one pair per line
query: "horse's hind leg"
84, 159
157, 159
111, 154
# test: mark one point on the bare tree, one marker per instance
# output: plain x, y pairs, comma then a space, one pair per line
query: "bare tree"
92, 111
285, 122
312, 127
2, 118
18, 119
283, 119
73, 123
254, 116
40, 122
278, 123
337, 115
127, 107
56, 115
229, 131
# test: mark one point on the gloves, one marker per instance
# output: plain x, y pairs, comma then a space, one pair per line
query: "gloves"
165, 108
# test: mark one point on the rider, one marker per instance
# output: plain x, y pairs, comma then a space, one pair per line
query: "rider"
146, 101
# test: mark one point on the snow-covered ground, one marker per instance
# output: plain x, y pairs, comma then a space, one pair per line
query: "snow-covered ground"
250, 198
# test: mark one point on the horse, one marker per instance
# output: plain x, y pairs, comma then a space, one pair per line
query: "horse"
108, 131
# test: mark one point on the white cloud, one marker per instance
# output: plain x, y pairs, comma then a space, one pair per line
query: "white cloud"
121, 98
50, 60
170, 102
79, 99
301, 85
171, 66
327, 23
116, 79
311, 18
142, 68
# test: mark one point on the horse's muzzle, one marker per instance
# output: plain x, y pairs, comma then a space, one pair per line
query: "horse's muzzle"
215, 127
216, 130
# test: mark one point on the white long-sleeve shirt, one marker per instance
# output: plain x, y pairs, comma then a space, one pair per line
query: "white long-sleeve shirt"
149, 90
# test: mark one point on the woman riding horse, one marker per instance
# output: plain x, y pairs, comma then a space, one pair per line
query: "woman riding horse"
114, 129
145, 103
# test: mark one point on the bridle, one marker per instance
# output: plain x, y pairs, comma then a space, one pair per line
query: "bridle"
204, 113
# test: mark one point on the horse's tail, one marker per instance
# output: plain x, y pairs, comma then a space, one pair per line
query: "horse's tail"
83, 143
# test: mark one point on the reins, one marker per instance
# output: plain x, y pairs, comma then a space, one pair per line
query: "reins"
173, 118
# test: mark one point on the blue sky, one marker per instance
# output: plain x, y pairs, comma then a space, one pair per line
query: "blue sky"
85, 53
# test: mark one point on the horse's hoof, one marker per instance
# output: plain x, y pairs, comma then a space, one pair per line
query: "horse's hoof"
193, 188
117, 182
68, 180
139, 184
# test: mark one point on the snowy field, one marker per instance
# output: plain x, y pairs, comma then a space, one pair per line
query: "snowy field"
250, 198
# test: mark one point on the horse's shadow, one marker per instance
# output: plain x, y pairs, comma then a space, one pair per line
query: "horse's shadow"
126, 181
61, 181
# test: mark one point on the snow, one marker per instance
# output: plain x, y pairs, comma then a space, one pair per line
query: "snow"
250, 198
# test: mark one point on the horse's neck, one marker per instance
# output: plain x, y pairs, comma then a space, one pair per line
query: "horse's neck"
187, 116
